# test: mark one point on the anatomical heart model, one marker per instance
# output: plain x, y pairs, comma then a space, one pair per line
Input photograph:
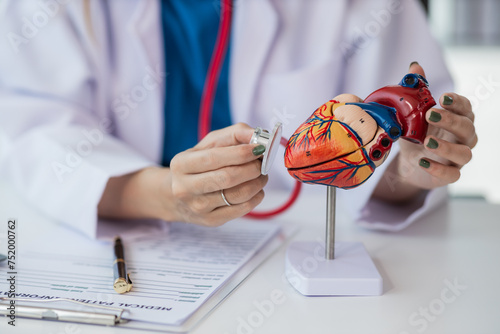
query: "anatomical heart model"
342, 143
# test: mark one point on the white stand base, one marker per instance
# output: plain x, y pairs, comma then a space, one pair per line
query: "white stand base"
351, 273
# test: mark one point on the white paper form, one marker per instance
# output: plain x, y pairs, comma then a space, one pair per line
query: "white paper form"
173, 274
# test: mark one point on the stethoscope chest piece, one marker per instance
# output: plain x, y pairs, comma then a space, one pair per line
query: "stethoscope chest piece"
271, 142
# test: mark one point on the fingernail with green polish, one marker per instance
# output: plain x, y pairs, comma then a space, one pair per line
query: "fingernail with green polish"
447, 100
424, 163
432, 143
413, 63
435, 116
258, 150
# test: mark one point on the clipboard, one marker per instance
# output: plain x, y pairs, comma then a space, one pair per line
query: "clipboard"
111, 316
225, 290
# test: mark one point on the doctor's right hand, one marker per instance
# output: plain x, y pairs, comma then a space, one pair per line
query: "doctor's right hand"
221, 167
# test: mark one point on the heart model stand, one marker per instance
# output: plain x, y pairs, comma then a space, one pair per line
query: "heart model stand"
345, 269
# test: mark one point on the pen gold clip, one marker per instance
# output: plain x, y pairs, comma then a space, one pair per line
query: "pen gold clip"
122, 283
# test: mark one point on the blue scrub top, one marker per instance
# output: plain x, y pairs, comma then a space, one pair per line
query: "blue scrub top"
190, 31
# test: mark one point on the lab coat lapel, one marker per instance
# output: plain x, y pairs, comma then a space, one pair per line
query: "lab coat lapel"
255, 25
147, 25
146, 28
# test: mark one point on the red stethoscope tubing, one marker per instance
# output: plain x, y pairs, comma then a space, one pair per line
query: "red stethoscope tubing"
208, 96
212, 78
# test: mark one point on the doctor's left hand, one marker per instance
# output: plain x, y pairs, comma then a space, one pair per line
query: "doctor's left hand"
447, 148
191, 189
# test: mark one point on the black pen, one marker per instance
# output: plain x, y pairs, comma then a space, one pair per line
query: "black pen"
122, 280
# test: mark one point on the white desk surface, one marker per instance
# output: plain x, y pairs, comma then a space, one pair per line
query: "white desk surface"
458, 243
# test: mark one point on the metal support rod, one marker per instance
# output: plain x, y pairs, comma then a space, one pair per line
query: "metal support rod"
330, 223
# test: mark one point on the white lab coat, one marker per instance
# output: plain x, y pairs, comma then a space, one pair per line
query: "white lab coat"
82, 104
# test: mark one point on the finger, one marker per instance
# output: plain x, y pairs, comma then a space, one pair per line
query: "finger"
460, 126
239, 133
243, 192
224, 214
457, 104
205, 203
199, 161
223, 178
458, 154
441, 174
416, 68
473, 142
